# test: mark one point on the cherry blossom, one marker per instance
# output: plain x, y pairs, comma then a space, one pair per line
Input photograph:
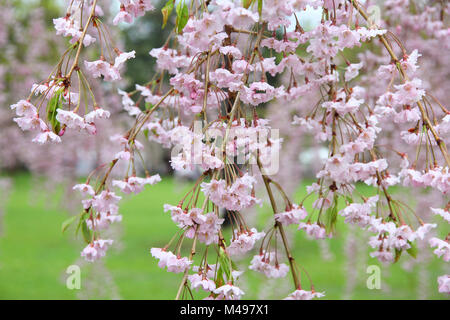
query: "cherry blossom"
261, 263
442, 248
313, 230
349, 86
444, 284
96, 249
292, 215
167, 259
200, 281
229, 292
244, 241
304, 295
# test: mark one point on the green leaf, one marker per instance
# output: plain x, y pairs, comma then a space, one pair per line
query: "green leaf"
182, 16
219, 278
86, 232
54, 104
79, 223
146, 133
331, 215
166, 11
247, 3
148, 106
349, 199
233, 265
413, 250
260, 5
225, 263
68, 222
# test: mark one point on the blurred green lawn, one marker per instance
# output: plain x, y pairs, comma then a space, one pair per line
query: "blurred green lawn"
34, 254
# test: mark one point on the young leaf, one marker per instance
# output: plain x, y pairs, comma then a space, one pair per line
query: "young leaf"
331, 215
148, 106
80, 221
54, 104
166, 11
219, 278
247, 3
68, 222
224, 263
86, 232
413, 250
260, 5
182, 16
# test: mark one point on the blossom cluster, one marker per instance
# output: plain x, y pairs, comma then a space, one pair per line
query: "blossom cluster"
219, 66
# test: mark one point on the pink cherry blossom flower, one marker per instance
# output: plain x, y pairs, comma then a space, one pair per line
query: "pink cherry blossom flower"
441, 212
236, 197
424, 229
304, 295
24, 108
70, 119
169, 59
443, 248
359, 214
135, 184
225, 79
123, 16
342, 107
291, 216
179, 216
366, 34
410, 64
242, 66
131, 9
280, 45
407, 115
85, 189
103, 221
261, 263
268, 65
201, 281
105, 201
229, 292
313, 230
102, 68
231, 50
97, 68
162, 255
70, 27
353, 71
31, 123
409, 92
122, 58
444, 283
244, 242
46, 136
348, 38
96, 250
257, 93
97, 113
411, 138
241, 17
177, 264
209, 228
387, 71
123, 155
383, 256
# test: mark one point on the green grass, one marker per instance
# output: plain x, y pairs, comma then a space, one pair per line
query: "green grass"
34, 254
